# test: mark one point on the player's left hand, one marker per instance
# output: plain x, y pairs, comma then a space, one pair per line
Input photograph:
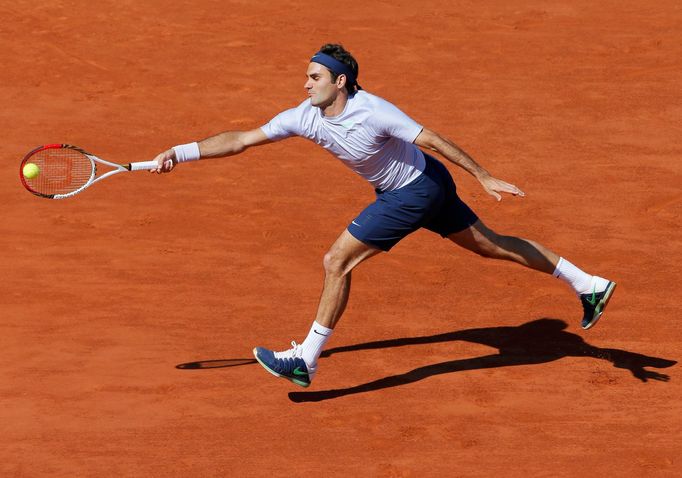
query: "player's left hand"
494, 187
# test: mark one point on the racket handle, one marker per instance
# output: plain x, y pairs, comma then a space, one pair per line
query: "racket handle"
142, 166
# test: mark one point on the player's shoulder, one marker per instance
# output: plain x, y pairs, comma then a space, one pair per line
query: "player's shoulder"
304, 105
300, 113
378, 108
367, 98
375, 102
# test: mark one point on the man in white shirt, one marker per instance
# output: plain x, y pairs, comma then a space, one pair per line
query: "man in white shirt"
413, 190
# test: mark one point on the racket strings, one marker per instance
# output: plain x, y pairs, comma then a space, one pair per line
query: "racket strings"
61, 171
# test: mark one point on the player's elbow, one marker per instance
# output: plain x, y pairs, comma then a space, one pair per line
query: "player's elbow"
238, 147
232, 143
243, 140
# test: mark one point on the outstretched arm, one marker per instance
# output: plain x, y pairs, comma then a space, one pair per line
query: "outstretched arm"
433, 141
224, 144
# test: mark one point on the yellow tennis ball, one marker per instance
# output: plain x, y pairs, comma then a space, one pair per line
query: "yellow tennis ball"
31, 170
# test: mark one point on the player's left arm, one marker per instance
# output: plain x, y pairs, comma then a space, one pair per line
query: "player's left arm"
431, 140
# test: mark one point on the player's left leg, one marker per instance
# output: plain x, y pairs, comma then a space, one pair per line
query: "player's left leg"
594, 291
483, 241
456, 221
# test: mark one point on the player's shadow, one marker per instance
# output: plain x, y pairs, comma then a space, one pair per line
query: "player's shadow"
539, 341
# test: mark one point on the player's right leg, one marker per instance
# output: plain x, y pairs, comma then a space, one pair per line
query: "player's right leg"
299, 363
288, 364
344, 255
379, 227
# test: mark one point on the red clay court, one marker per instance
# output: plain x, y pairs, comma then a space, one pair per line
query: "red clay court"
125, 309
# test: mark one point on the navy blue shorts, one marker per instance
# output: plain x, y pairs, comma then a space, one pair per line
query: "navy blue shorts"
430, 201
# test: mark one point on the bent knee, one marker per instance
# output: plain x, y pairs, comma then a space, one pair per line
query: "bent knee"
334, 263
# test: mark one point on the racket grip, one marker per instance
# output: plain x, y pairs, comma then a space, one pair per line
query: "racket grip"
143, 166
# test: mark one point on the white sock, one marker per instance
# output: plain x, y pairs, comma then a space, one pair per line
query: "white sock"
314, 343
581, 282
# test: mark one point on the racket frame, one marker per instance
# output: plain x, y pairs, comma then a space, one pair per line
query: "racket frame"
118, 168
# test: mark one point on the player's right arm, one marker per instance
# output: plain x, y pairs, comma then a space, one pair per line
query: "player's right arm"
231, 142
224, 144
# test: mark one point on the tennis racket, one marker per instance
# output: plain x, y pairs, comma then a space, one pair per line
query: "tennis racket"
61, 170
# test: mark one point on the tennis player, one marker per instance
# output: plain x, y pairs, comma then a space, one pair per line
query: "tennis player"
382, 144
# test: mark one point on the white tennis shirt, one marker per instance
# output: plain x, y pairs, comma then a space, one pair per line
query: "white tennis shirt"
371, 136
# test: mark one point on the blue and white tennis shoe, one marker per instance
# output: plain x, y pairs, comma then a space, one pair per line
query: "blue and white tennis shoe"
288, 364
594, 304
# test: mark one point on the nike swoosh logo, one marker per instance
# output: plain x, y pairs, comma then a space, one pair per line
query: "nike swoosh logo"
323, 335
299, 372
353, 222
593, 300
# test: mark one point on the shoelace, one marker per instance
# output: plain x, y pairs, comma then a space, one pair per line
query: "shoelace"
295, 351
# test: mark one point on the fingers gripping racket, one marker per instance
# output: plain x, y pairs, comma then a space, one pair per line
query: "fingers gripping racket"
58, 171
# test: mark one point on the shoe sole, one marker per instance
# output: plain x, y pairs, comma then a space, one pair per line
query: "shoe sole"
602, 305
293, 380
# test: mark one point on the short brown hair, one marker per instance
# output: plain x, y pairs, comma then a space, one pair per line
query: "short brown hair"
338, 52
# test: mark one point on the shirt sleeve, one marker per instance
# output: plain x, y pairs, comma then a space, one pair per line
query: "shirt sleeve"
391, 121
284, 125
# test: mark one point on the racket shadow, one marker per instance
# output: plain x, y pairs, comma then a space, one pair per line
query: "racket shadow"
222, 363
536, 342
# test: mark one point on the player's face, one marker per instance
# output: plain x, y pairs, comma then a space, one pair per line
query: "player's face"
320, 87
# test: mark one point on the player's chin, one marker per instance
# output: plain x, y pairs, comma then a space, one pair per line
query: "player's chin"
318, 102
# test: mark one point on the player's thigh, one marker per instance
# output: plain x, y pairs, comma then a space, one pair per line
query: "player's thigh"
477, 238
347, 252
452, 214
394, 215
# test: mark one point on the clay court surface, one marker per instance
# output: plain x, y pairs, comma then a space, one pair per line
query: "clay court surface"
123, 309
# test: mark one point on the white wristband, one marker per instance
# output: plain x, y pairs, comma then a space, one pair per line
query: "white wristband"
187, 152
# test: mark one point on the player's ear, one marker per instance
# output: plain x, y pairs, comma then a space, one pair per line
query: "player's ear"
341, 81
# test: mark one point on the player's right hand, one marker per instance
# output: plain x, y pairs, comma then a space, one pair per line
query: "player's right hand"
165, 162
